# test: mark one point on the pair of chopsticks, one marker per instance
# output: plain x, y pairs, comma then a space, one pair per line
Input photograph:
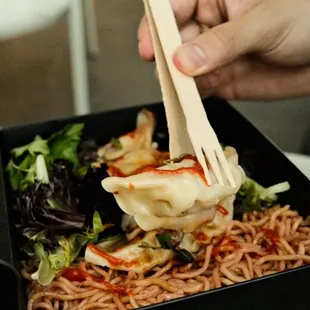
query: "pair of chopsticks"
188, 125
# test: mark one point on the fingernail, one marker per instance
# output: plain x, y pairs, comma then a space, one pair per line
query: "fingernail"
190, 58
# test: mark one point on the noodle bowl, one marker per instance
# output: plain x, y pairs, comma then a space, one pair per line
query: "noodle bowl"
176, 238
261, 244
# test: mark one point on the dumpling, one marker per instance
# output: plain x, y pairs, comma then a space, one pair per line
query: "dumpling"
224, 214
132, 256
128, 153
134, 160
141, 138
175, 196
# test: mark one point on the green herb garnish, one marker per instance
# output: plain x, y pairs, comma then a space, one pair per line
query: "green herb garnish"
165, 241
116, 143
175, 160
183, 256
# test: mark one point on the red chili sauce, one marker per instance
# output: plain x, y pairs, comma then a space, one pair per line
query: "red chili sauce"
196, 169
273, 237
112, 260
200, 236
80, 275
227, 244
222, 210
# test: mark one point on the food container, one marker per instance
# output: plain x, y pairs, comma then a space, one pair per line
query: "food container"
259, 157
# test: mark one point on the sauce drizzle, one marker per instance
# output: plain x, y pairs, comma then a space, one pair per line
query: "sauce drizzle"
200, 236
227, 244
112, 260
196, 169
273, 237
222, 210
80, 275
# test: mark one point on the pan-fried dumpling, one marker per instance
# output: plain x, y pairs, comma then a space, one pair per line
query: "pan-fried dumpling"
175, 196
130, 257
128, 153
224, 214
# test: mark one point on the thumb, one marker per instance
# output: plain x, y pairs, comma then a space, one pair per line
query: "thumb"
219, 46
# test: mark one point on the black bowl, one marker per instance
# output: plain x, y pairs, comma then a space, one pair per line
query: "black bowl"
260, 158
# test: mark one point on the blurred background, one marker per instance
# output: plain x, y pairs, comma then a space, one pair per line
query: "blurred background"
36, 77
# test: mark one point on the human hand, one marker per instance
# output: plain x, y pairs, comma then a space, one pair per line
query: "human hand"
242, 49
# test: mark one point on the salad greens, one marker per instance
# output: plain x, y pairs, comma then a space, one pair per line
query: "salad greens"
68, 249
57, 193
97, 228
62, 256
44, 275
62, 145
253, 197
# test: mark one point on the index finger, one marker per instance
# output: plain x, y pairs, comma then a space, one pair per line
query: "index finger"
145, 41
183, 10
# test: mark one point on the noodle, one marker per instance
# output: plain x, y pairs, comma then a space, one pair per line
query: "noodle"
262, 244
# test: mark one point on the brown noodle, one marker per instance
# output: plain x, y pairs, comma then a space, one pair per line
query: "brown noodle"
261, 244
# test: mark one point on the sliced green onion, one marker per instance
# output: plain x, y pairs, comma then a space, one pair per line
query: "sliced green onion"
275, 189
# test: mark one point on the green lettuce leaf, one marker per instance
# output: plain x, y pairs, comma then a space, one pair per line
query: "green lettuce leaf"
22, 175
37, 146
97, 228
63, 144
45, 273
61, 257
67, 252
68, 249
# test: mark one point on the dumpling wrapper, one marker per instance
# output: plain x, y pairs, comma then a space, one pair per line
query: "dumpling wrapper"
136, 149
140, 138
221, 219
174, 196
135, 258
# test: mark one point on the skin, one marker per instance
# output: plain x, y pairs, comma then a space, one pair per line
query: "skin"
250, 49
